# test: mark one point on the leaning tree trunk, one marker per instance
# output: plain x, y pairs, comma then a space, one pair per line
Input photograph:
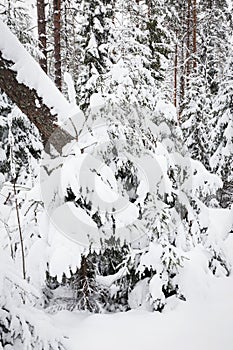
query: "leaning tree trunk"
57, 41
33, 106
35, 94
26, 99
41, 22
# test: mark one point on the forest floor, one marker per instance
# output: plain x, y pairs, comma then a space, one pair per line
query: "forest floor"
204, 322
191, 326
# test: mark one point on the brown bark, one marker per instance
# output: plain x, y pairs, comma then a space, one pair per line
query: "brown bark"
57, 41
41, 22
188, 42
66, 37
194, 34
182, 85
32, 105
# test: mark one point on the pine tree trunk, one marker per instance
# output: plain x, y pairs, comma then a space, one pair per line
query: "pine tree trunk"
41, 21
194, 34
182, 61
57, 41
67, 61
188, 42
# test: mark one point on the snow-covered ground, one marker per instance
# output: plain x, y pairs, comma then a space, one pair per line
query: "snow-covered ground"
202, 325
204, 322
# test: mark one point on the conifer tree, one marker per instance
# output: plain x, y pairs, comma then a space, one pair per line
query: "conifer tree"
131, 149
197, 116
94, 30
41, 20
222, 134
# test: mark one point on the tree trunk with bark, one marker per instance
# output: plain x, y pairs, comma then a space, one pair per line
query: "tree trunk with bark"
188, 42
57, 41
194, 34
41, 21
33, 106
182, 59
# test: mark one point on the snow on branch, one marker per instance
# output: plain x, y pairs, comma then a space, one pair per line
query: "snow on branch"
29, 73
27, 85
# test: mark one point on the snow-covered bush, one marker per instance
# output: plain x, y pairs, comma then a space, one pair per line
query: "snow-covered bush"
23, 323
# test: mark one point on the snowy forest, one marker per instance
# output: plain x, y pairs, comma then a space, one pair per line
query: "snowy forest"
116, 174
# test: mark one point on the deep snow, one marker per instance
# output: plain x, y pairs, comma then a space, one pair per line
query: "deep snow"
204, 322
199, 325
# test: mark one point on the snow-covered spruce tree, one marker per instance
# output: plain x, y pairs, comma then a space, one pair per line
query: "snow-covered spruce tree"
160, 225
26, 138
140, 52
94, 26
70, 40
158, 218
129, 181
20, 149
122, 82
175, 24
212, 49
22, 319
17, 15
222, 134
214, 31
196, 119
23, 323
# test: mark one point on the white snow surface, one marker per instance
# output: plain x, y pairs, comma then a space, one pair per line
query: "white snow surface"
200, 325
202, 322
